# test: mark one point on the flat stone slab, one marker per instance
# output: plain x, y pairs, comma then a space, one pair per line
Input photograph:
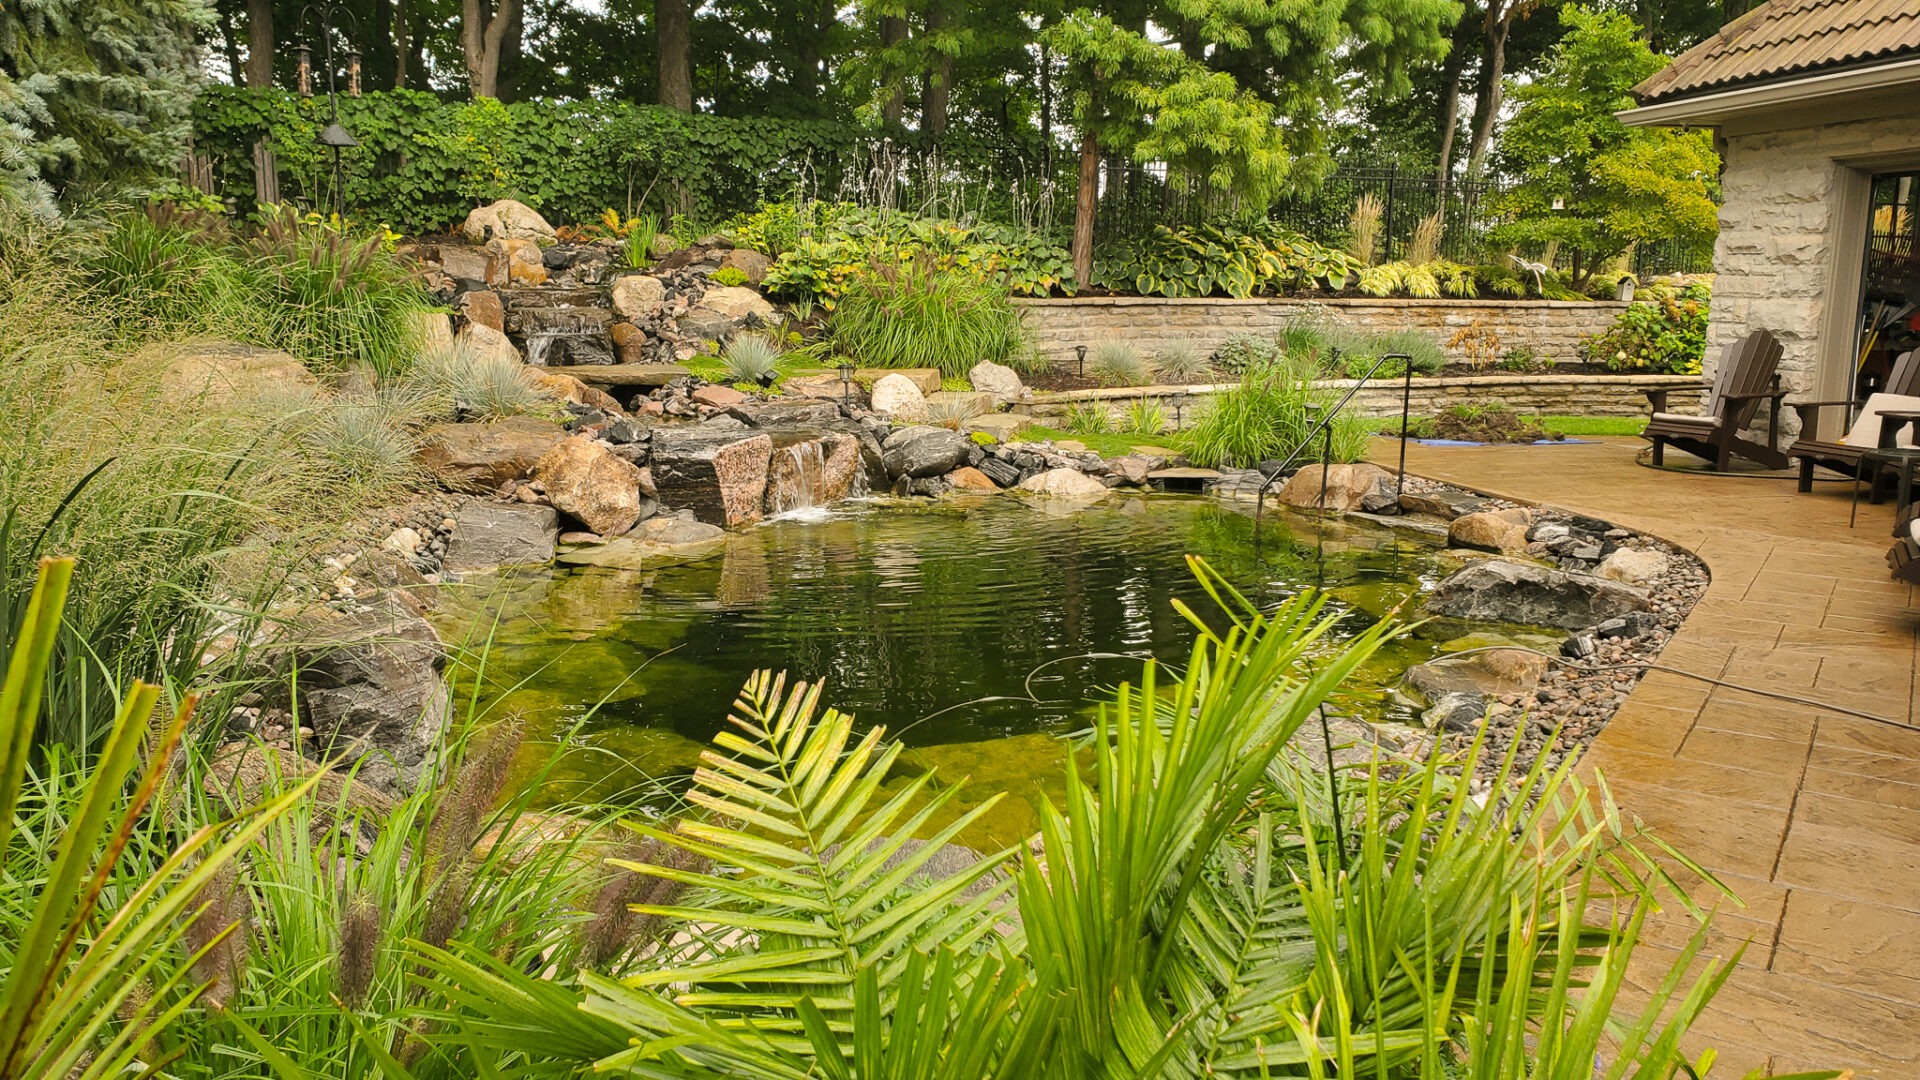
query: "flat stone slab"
648, 375
1003, 426
1187, 478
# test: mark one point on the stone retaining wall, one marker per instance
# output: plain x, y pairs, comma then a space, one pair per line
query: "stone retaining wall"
1551, 395
1551, 328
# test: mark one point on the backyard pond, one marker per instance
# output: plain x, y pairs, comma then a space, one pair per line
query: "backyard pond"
975, 631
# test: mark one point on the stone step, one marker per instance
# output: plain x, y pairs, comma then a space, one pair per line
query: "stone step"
647, 375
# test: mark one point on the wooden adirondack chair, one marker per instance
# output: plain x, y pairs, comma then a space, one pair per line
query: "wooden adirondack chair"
1843, 454
1904, 559
1745, 377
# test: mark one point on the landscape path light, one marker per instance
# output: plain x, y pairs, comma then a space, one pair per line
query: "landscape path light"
325, 18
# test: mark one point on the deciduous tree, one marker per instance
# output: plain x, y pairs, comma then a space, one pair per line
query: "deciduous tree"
1586, 181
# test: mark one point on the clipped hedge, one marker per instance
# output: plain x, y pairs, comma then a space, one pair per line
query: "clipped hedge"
423, 162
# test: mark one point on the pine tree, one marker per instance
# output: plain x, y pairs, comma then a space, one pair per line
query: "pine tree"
94, 95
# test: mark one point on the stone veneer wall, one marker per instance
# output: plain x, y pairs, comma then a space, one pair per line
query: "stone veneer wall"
1551, 395
1775, 257
1551, 328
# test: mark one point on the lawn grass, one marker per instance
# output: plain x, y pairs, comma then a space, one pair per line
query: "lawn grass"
1104, 444
1593, 425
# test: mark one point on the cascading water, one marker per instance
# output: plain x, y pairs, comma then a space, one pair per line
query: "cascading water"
808, 476
566, 336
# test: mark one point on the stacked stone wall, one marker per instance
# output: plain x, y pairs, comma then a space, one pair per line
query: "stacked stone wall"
1552, 329
1549, 395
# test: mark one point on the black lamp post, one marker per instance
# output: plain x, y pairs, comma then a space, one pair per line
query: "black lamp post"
1081, 352
846, 384
324, 17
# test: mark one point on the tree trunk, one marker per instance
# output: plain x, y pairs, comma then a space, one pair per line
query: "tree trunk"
1449, 121
230, 45
259, 44
483, 38
938, 96
673, 38
1494, 75
401, 32
893, 107
507, 83
1085, 201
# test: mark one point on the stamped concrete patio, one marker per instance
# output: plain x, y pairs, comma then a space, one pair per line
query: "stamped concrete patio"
1811, 816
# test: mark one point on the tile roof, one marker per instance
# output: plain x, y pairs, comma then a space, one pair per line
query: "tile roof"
1790, 37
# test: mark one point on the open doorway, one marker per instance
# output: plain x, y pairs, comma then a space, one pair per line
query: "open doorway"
1890, 293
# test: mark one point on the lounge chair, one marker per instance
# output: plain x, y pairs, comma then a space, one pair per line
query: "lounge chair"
1744, 378
1864, 433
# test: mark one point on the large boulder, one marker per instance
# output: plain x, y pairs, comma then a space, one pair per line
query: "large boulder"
370, 687
719, 475
896, 395
738, 303
1493, 672
471, 264
482, 307
999, 380
659, 541
638, 297
1504, 531
525, 265
1502, 590
1064, 484
488, 344
583, 479
563, 387
506, 220
489, 535
226, 373
916, 452
480, 458
751, 263
1348, 488
968, 478
432, 331
1633, 566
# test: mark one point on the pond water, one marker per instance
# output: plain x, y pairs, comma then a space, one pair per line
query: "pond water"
911, 614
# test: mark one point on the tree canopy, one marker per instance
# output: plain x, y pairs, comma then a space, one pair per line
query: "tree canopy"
1586, 182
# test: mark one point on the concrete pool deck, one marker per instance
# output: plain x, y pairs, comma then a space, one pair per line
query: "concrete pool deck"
1811, 816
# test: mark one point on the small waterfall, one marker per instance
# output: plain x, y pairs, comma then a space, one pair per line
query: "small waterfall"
565, 336
813, 474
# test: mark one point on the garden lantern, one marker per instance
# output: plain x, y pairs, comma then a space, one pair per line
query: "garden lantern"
1081, 352
846, 383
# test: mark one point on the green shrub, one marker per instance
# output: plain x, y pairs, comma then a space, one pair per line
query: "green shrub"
1358, 350
1666, 337
1207, 259
1119, 363
636, 247
1181, 362
1089, 418
751, 358
729, 276
458, 382
916, 314
1244, 352
1143, 417
849, 244
333, 297
1267, 417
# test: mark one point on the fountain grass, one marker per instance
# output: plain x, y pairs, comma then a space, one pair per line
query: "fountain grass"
917, 315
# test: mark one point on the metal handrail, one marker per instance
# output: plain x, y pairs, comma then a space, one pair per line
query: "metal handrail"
1326, 425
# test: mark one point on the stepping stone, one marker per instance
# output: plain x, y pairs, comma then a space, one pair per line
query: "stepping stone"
648, 375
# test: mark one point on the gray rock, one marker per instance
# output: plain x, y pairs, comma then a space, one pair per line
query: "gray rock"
1000, 472
1631, 625
773, 414
702, 324
370, 686
1456, 712
487, 535
920, 452
1493, 672
999, 380
1442, 504
1501, 590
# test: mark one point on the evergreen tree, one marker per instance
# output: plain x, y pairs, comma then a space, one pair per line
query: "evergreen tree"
94, 94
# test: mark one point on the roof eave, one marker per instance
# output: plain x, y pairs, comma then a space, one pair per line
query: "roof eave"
1715, 107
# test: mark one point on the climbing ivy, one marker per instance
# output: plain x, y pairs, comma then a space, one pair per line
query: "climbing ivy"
423, 162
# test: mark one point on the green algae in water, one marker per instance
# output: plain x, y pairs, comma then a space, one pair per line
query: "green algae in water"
975, 632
